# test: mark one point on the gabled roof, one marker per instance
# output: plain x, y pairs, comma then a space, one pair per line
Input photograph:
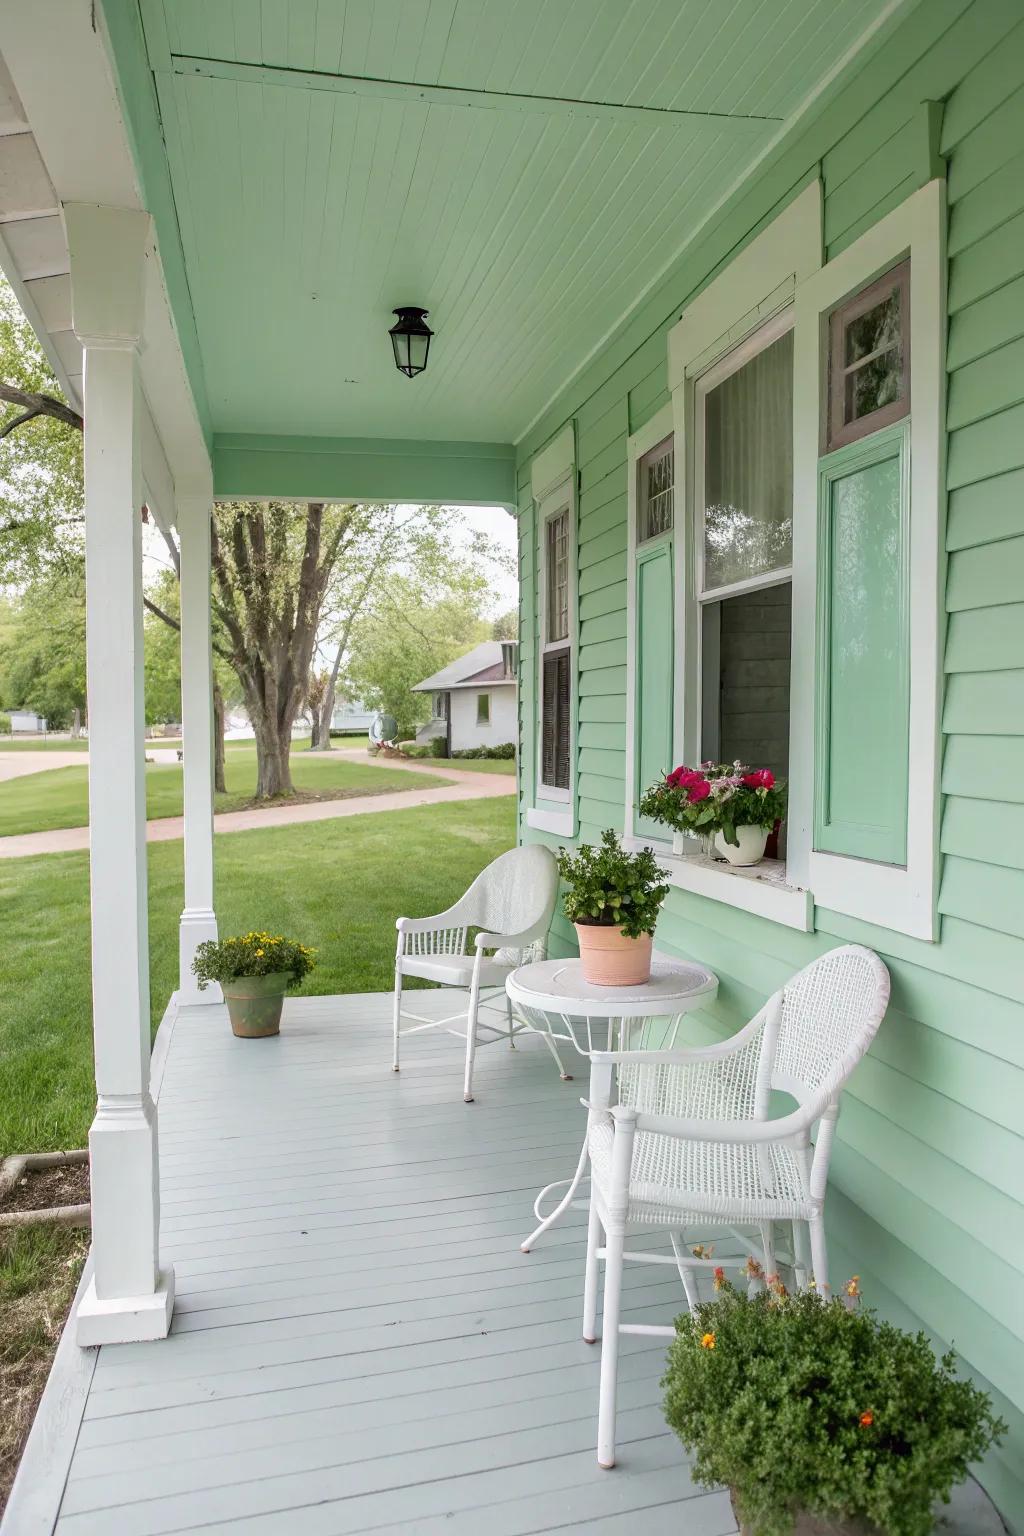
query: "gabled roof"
483, 664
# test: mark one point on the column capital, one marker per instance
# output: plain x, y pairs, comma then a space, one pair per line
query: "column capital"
108, 249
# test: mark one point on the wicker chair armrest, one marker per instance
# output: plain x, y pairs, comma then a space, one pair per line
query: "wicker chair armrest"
455, 917
782, 1129
511, 940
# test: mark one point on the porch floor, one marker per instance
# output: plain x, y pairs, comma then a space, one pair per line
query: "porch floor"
358, 1343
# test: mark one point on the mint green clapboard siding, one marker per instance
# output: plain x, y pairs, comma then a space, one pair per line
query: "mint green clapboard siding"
927, 1196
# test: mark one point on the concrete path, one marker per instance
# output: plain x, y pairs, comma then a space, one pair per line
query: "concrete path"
464, 786
18, 765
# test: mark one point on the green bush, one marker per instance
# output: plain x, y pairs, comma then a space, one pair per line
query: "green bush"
5, 725
438, 746
504, 752
805, 1405
415, 749
609, 887
251, 954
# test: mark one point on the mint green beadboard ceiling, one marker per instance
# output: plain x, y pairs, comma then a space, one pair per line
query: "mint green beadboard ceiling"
524, 169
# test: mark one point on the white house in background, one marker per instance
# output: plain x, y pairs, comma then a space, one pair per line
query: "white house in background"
352, 715
26, 722
474, 698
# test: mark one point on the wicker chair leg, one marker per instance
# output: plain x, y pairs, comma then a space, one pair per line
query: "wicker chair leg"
801, 1255
614, 1244
590, 1281
819, 1255
398, 1016
471, 1018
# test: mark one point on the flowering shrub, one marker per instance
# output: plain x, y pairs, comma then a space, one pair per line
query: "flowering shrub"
716, 797
612, 888
804, 1405
251, 954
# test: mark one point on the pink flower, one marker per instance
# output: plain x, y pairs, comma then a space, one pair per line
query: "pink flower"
761, 778
698, 791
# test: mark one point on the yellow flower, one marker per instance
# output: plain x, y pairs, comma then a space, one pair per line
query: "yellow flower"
853, 1286
708, 1341
259, 952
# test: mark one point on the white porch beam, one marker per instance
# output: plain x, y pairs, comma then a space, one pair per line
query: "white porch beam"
129, 1297
198, 920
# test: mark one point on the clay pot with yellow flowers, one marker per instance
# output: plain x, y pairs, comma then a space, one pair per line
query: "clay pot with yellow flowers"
254, 971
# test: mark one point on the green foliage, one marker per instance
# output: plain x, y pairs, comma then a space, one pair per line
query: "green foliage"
41, 488
612, 888
251, 954
438, 746
716, 797
43, 660
504, 752
800, 1404
506, 625
5, 725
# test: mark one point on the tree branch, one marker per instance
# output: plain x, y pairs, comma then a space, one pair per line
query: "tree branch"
160, 614
34, 404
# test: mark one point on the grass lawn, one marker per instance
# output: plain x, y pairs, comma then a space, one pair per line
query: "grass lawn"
480, 764
59, 797
44, 744
338, 885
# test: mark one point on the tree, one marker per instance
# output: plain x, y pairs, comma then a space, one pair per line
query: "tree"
416, 624
272, 563
43, 666
506, 625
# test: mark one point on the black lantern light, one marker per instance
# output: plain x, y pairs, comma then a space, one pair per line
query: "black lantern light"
410, 338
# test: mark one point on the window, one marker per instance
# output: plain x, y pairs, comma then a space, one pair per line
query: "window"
556, 690
869, 359
655, 491
743, 514
483, 709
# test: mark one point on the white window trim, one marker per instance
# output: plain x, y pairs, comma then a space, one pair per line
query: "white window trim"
649, 436
554, 483
756, 287
905, 899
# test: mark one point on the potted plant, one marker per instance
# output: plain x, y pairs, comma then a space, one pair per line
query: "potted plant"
254, 970
819, 1417
613, 900
731, 803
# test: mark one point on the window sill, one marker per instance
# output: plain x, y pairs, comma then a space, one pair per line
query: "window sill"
758, 888
558, 823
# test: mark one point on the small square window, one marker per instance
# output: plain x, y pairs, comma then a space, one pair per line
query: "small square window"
483, 709
869, 359
655, 492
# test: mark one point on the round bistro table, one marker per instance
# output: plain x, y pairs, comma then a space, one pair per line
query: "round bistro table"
552, 998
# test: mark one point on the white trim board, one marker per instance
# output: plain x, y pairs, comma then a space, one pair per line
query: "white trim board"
903, 899
555, 809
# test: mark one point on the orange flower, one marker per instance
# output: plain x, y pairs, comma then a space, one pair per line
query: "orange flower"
752, 1269
708, 1341
866, 1420
719, 1277
852, 1286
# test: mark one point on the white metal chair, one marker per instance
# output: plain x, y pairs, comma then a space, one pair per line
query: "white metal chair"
511, 902
689, 1142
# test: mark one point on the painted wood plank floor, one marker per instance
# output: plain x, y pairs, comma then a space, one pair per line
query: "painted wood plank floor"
358, 1343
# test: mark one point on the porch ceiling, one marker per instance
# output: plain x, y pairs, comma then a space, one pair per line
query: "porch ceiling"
524, 170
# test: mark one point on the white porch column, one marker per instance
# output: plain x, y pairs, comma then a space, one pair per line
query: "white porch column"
129, 1297
198, 920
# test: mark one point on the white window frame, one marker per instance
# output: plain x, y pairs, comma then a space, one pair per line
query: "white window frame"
900, 899
553, 484
757, 288
653, 432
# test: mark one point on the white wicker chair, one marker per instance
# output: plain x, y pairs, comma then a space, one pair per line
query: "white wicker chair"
689, 1141
512, 902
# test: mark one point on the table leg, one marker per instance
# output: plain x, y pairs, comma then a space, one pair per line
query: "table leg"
563, 1205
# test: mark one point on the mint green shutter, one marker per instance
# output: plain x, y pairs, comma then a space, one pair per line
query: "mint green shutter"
862, 725
654, 676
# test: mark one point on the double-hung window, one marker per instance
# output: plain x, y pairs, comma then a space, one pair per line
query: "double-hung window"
743, 533
556, 649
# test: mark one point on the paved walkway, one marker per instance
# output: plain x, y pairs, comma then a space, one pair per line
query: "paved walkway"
18, 765
464, 786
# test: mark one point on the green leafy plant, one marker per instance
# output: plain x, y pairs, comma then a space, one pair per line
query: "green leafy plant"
438, 746
5, 725
800, 1404
612, 888
716, 797
251, 954
505, 751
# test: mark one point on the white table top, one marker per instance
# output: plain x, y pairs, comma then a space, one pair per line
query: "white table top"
557, 986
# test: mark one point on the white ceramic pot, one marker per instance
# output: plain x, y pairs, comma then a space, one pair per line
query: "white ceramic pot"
750, 849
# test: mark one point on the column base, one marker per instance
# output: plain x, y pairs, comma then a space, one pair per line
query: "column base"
126, 1319
196, 926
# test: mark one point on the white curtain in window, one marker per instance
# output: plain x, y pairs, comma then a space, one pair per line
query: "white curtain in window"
748, 469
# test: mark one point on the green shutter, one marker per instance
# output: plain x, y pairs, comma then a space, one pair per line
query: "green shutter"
862, 725
654, 679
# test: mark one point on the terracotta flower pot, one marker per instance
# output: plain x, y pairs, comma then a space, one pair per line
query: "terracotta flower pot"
255, 1004
610, 959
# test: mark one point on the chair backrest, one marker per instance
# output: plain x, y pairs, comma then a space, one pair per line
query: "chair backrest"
516, 892
829, 1014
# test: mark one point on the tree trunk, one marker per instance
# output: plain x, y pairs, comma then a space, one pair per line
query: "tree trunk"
76, 724
273, 757
219, 783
